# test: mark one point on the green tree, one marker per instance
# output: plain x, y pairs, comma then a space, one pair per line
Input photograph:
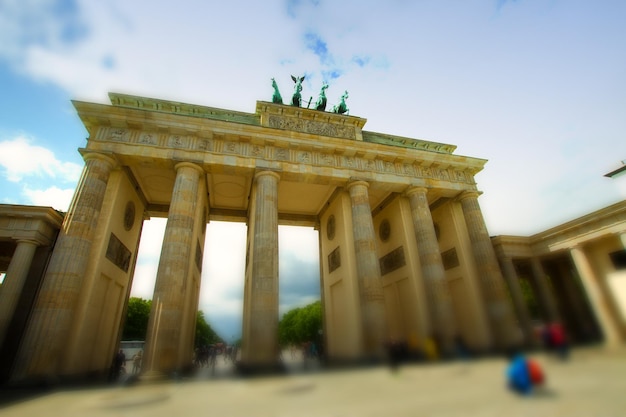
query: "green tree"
205, 335
301, 324
136, 326
137, 315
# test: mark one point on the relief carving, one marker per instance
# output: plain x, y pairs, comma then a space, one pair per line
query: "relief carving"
304, 157
450, 259
328, 160
312, 126
282, 154
177, 141
257, 151
118, 253
147, 138
119, 135
334, 260
392, 261
205, 145
231, 147
349, 162
442, 174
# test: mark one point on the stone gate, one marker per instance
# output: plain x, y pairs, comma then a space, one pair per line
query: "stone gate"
404, 250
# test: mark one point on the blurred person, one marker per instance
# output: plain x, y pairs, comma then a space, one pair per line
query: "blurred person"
523, 374
558, 340
137, 362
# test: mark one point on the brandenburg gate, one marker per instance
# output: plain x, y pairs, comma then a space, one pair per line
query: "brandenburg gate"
404, 251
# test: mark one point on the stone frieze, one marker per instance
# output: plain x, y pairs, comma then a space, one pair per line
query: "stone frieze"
313, 127
224, 145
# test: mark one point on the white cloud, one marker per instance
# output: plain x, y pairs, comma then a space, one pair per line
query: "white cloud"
20, 158
54, 197
302, 242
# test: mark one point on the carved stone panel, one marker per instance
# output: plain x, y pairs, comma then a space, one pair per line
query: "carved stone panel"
334, 260
392, 261
119, 135
450, 259
118, 253
312, 126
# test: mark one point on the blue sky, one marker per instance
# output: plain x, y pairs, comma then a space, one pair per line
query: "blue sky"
537, 87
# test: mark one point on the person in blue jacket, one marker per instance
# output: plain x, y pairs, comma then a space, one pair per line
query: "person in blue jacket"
518, 377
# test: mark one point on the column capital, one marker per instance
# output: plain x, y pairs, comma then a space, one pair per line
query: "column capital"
468, 194
270, 173
357, 182
189, 165
87, 156
578, 246
416, 189
28, 241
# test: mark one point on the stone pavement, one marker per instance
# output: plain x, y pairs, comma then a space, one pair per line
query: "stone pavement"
592, 383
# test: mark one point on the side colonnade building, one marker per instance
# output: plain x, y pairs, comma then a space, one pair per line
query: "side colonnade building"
404, 250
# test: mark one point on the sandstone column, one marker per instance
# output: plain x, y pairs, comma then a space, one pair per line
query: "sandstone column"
261, 316
433, 273
51, 319
595, 296
490, 278
14, 282
546, 298
163, 348
521, 309
368, 272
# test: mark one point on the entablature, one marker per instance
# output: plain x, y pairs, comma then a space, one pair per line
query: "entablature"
221, 147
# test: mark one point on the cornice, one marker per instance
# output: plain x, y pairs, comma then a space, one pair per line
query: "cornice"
319, 142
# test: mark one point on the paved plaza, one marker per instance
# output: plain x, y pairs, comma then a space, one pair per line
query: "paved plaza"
591, 383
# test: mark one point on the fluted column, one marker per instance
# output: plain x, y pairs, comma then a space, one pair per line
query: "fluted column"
498, 307
13, 283
521, 309
546, 298
262, 313
51, 318
594, 294
162, 352
433, 273
368, 272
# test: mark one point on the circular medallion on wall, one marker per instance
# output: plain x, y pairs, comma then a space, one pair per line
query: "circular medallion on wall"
384, 230
330, 227
129, 215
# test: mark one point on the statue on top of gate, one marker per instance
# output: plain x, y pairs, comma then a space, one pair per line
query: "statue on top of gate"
342, 108
296, 100
276, 98
320, 104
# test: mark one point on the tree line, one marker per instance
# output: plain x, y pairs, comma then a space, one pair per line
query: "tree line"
297, 326
136, 325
